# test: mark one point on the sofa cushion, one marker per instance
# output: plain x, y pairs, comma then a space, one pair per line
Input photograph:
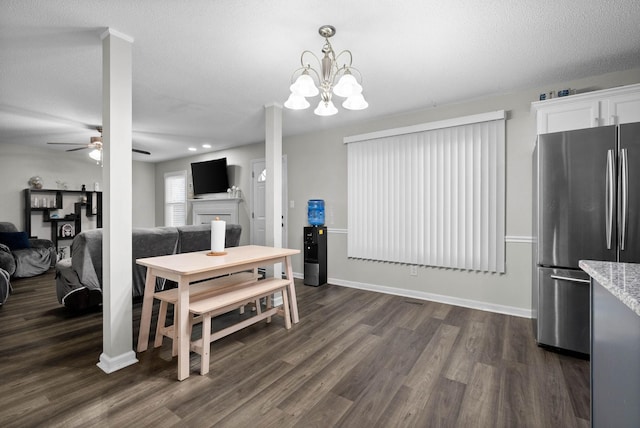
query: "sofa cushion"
194, 238
151, 242
198, 237
24, 256
31, 262
6, 226
15, 240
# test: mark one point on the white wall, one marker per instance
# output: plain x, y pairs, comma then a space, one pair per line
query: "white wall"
327, 179
317, 168
144, 195
239, 169
19, 163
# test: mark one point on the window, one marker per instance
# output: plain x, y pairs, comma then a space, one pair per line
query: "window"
175, 198
432, 195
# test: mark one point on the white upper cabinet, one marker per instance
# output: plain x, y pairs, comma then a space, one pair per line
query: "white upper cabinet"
566, 116
623, 108
598, 108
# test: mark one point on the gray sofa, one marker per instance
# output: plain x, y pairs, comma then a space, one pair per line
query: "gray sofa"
21, 256
79, 278
5, 286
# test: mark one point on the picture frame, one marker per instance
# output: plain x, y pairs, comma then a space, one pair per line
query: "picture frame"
67, 230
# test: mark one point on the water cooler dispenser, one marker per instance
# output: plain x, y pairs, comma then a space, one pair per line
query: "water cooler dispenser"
315, 245
315, 255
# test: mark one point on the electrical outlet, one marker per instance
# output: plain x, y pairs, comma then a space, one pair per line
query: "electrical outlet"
413, 270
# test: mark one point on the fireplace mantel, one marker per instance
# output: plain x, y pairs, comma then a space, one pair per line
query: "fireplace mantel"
205, 210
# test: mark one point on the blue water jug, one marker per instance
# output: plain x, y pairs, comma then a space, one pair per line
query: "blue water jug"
315, 212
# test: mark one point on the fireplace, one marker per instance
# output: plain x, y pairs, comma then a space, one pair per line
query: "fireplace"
206, 210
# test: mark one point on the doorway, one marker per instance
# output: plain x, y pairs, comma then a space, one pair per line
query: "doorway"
258, 202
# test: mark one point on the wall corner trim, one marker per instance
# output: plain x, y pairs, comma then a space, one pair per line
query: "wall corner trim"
111, 32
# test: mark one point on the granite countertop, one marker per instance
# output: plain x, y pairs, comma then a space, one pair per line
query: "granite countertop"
621, 279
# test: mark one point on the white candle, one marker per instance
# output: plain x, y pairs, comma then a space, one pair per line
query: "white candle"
218, 230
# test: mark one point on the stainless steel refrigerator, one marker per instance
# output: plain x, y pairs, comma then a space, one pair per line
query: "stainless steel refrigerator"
586, 206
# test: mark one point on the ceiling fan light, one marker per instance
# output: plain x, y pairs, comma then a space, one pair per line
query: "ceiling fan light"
325, 108
96, 155
296, 102
355, 102
347, 86
304, 86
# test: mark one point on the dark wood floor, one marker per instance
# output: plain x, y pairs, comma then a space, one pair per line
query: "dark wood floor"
356, 359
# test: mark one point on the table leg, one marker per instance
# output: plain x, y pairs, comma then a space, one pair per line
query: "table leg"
182, 328
147, 307
293, 302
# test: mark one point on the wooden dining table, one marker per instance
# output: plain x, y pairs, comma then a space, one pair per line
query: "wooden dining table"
187, 268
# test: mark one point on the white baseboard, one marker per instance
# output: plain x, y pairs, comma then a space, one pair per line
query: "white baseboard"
111, 364
420, 295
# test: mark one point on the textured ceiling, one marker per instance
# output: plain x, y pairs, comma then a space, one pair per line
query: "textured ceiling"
203, 70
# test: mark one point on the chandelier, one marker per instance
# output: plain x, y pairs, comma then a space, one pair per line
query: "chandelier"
331, 71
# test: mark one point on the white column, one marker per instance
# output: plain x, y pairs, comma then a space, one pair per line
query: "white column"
117, 315
273, 161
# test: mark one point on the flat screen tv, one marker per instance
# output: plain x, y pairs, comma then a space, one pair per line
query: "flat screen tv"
210, 176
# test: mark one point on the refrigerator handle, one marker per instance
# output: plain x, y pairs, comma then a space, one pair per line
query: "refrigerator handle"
624, 183
566, 278
609, 198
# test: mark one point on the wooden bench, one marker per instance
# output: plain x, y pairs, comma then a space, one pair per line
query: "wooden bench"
197, 291
229, 299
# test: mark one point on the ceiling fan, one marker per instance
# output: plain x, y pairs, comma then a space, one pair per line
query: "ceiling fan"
96, 144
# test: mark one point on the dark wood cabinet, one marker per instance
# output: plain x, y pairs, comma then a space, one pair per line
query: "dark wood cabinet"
67, 225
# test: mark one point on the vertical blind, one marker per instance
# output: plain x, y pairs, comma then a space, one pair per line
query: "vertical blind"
175, 198
434, 197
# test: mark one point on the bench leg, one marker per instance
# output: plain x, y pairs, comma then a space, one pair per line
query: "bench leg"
285, 307
174, 339
162, 319
174, 349
206, 344
269, 306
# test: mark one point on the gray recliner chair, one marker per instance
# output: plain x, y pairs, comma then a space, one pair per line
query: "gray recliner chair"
5, 286
22, 256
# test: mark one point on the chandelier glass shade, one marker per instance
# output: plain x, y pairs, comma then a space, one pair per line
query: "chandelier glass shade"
334, 78
325, 108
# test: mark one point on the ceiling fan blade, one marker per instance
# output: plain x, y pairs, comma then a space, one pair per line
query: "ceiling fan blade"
79, 148
71, 144
144, 152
